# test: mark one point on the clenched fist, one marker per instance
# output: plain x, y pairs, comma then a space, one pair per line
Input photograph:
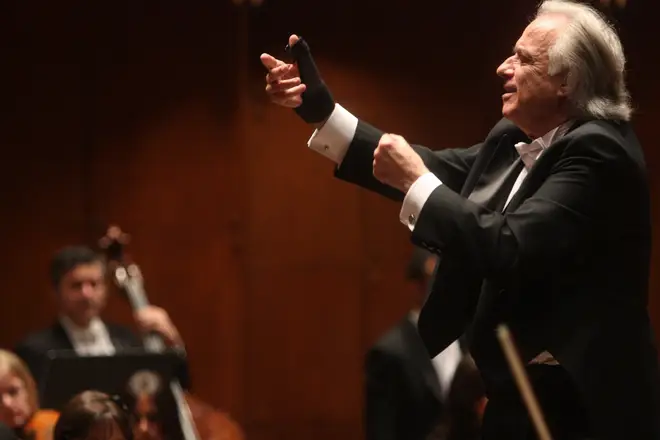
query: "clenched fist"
396, 164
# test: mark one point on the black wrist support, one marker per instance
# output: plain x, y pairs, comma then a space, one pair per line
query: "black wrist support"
317, 102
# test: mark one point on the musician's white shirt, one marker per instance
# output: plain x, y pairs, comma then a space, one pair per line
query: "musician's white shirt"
445, 363
91, 341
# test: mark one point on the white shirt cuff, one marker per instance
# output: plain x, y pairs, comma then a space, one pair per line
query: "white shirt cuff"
333, 139
416, 197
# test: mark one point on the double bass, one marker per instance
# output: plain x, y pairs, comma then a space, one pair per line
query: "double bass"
199, 420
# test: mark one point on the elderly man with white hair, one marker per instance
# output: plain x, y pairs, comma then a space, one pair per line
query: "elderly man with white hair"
544, 226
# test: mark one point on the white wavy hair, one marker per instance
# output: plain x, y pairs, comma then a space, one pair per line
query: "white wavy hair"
589, 51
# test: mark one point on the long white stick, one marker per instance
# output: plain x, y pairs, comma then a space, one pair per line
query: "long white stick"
520, 375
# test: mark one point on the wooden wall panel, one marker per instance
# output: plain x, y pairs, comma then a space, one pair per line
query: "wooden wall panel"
278, 275
304, 264
643, 53
167, 167
41, 171
127, 115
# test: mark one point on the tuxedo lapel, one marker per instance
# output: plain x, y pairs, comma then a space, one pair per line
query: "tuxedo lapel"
61, 339
536, 174
122, 338
117, 342
496, 177
495, 154
541, 168
494, 191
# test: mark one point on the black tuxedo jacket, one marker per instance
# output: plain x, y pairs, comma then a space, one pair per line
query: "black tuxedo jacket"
402, 390
565, 266
6, 433
34, 347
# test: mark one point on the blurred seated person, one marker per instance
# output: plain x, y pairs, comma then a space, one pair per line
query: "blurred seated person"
77, 276
408, 395
145, 387
463, 408
152, 422
19, 402
92, 415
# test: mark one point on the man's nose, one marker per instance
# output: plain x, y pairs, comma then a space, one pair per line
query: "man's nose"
87, 290
506, 68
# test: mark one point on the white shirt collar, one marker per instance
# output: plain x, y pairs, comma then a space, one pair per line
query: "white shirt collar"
90, 340
71, 327
530, 152
553, 135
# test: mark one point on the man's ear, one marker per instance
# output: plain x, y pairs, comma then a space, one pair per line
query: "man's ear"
563, 89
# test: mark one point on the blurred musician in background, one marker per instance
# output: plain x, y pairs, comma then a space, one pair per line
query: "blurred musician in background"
92, 415
78, 279
19, 402
145, 386
411, 396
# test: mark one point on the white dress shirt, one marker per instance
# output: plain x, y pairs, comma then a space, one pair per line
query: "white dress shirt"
91, 341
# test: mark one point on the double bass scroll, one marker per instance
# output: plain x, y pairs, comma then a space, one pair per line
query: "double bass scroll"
199, 421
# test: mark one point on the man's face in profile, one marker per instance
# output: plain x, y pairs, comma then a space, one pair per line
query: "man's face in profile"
532, 96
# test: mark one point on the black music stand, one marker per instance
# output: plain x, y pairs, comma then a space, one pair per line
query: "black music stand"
132, 374
6, 433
